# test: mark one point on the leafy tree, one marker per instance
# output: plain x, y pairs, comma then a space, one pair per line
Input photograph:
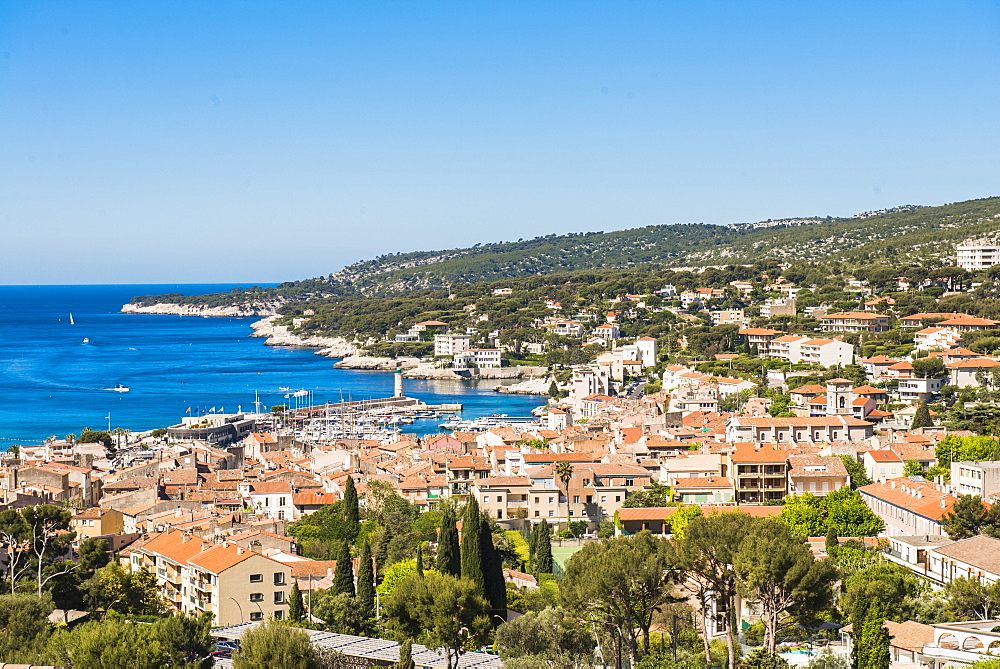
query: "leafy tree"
296, 610
804, 515
343, 575
443, 611
965, 449
971, 599
850, 516
777, 570
472, 547
448, 560
395, 575
112, 588
856, 470
366, 582
888, 583
922, 416
549, 635
275, 644
656, 495
912, 468
339, 611
619, 584
96, 436
681, 518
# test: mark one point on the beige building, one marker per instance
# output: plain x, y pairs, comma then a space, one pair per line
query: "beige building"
231, 582
97, 522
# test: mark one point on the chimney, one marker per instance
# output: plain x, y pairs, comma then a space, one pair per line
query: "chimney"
239, 550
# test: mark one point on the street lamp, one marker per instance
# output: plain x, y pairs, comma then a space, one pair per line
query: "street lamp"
242, 620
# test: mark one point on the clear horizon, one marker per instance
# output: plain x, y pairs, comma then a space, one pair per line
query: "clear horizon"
189, 143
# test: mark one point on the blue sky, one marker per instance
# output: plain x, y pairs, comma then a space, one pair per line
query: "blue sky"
252, 141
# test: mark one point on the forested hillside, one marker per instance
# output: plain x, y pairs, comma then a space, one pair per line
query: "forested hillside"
922, 235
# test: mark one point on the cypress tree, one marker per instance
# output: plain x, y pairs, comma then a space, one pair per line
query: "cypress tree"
495, 585
832, 540
447, 560
381, 554
343, 576
543, 549
471, 549
351, 513
405, 655
296, 611
922, 417
420, 559
874, 641
366, 582
553, 389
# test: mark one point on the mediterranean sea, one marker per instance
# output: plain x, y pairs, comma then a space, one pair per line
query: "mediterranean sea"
55, 383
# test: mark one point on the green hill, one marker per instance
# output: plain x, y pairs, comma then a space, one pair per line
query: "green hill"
925, 235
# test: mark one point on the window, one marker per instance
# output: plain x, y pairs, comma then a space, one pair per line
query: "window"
256, 578
281, 501
576, 499
279, 596
279, 578
551, 513
281, 515
536, 500
256, 596
586, 482
604, 499
536, 513
256, 615
629, 483
279, 615
618, 498
551, 499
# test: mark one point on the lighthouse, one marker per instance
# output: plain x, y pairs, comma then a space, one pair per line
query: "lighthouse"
398, 383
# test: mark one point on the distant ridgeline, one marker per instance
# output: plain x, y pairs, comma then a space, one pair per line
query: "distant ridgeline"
909, 234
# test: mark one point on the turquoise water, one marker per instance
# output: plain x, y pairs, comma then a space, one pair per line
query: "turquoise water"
54, 384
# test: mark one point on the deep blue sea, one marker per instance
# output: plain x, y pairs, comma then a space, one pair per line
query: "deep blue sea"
54, 384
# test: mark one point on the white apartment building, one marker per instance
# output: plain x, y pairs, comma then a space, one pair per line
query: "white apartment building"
270, 498
450, 344
936, 338
480, 358
975, 254
976, 478
825, 352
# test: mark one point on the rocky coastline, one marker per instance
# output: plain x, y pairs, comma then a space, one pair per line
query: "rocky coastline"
228, 311
279, 335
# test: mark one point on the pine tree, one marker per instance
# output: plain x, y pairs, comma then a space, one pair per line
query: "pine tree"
874, 642
405, 655
543, 549
366, 582
343, 576
471, 548
420, 559
922, 417
351, 513
447, 560
296, 611
495, 585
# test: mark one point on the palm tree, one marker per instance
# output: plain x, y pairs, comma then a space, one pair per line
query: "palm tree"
564, 472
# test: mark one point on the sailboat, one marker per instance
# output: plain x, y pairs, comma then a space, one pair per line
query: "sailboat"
71, 318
